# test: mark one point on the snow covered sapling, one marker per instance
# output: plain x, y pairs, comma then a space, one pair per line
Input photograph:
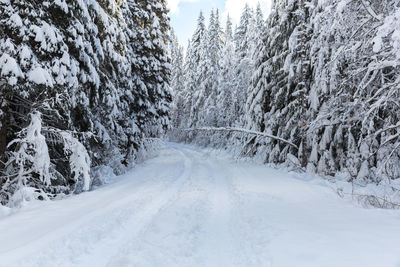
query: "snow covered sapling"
27, 169
29, 173
79, 160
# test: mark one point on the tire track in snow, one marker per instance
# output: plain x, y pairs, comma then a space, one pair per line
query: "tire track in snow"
173, 238
201, 221
105, 231
229, 235
218, 246
138, 222
64, 238
252, 228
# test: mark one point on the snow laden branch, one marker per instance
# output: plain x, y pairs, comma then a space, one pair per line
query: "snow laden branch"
79, 159
371, 11
28, 162
240, 130
29, 172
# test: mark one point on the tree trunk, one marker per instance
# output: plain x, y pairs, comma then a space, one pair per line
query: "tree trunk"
3, 130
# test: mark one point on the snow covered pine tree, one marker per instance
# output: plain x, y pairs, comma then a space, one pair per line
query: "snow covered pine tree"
87, 80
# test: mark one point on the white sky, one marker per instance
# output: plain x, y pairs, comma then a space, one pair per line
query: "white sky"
235, 7
174, 5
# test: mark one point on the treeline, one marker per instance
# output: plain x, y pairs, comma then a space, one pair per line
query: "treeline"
323, 75
83, 84
211, 83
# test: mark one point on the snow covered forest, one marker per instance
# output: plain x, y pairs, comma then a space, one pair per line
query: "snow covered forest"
84, 85
322, 75
263, 142
88, 87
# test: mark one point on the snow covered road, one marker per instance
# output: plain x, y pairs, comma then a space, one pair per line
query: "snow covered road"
189, 208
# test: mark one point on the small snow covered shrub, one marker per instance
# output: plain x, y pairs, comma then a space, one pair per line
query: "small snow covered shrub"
31, 174
149, 148
28, 166
79, 160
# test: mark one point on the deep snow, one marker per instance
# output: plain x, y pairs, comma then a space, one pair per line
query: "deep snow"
188, 207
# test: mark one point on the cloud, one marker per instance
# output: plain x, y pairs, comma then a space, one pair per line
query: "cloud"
235, 7
173, 5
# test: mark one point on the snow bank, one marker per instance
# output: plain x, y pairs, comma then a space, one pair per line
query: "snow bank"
4, 211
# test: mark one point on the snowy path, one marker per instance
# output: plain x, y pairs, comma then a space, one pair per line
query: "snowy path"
189, 208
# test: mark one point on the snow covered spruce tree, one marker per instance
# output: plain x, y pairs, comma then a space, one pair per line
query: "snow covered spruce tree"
203, 84
88, 80
226, 98
358, 123
192, 79
218, 68
150, 65
244, 45
277, 100
205, 98
177, 80
322, 82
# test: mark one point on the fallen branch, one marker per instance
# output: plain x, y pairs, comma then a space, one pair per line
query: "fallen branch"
375, 201
231, 129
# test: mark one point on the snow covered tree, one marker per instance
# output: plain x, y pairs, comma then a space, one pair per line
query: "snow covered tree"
324, 81
363, 85
277, 101
205, 99
193, 58
28, 165
245, 43
243, 32
226, 92
98, 73
151, 66
177, 80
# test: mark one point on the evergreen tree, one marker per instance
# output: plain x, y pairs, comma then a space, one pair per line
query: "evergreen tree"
318, 84
362, 115
177, 81
95, 73
226, 93
244, 40
151, 66
243, 32
193, 61
210, 70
